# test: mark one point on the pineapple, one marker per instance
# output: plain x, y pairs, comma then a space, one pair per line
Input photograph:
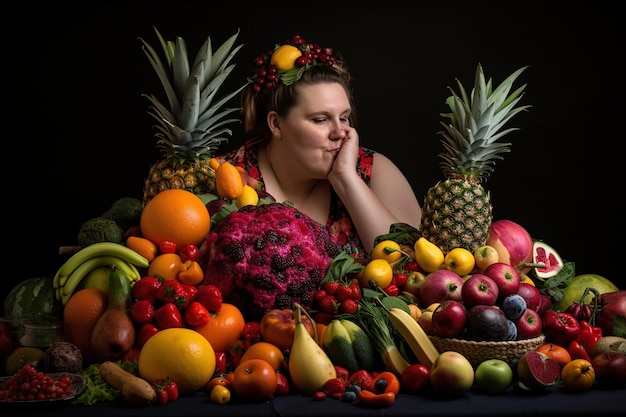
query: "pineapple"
191, 129
458, 212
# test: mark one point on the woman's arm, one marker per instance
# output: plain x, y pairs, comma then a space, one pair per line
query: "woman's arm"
389, 198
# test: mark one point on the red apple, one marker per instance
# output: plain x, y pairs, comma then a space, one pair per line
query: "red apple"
449, 319
441, 285
531, 294
513, 243
414, 282
415, 378
610, 367
529, 325
506, 276
544, 305
479, 289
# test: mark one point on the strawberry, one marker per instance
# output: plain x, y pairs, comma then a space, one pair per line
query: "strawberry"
147, 288
168, 316
172, 291
282, 384
142, 311
349, 306
344, 292
331, 287
401, 279
196, 314
328, 304
144, 333
211, 297
392, 290
342, 373
334, 386
363, 379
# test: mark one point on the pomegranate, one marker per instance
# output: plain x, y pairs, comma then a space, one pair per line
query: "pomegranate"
513, 244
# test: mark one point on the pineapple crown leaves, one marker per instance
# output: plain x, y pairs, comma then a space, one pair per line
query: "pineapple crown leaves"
193, 120
470, 147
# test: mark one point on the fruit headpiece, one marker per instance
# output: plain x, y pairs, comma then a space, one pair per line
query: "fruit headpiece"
286, 63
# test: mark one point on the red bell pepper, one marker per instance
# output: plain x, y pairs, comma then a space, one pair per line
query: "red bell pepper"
588, 336
577, 351
221, 363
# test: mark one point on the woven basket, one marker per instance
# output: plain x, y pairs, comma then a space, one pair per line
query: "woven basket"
477, 352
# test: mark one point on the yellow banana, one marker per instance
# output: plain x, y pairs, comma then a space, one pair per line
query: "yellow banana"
102, 249
414, 335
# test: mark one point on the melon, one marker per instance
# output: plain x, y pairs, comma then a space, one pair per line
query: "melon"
34, 297
537, 371
546, 255
573, 292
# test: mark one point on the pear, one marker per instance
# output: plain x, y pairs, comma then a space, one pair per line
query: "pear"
309, 366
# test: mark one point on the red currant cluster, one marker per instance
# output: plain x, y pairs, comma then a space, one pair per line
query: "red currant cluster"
28, 384
266, 77
336, 297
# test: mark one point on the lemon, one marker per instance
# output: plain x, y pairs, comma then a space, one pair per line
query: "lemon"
378, 270
284, 57
388, 250
181, 354
248, 197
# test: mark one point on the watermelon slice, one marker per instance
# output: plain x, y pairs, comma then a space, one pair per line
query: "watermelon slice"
545, 254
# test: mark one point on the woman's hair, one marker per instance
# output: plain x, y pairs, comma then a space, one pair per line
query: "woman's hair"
255, 105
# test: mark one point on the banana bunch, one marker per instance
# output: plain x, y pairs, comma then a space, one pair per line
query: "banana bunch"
347, 345
96, 255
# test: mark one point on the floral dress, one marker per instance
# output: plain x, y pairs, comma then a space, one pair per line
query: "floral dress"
339, 222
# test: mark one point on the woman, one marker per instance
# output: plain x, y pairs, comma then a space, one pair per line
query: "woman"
305, 148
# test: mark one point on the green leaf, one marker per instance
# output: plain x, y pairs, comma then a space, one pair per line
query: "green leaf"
340, 267
400, 233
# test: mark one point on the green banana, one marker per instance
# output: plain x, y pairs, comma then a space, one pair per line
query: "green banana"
364, 350
77, 275
338, 346
102, 249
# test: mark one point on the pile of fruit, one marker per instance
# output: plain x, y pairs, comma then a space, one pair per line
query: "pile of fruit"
153, 319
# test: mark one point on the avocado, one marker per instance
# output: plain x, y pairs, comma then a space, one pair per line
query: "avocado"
125, 211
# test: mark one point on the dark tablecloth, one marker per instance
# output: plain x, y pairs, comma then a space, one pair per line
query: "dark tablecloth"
554, 401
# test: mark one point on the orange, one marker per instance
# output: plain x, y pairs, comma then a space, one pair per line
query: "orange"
379, 270
388, 250
266, 351
224, 328
320, 328
165, 266
176, 215
556, 352
284, 57
228, 181
181, 354
80, 315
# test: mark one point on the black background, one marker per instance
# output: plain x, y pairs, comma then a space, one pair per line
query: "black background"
79, 135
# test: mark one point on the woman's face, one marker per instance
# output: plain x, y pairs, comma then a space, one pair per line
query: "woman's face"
312, 133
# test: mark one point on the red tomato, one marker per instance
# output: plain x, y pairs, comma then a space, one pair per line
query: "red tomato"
254, 380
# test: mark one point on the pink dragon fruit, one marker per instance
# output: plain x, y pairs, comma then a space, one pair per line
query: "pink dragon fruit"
267, 256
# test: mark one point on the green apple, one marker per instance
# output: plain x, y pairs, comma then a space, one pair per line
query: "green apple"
451, 374
493, 376
484, 256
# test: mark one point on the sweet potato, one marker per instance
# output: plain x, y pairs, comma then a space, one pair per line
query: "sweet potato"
135, 390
